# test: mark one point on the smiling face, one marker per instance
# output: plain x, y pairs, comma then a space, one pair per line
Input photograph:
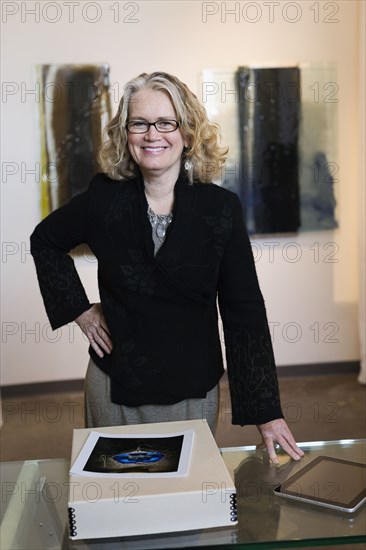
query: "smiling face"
157, 154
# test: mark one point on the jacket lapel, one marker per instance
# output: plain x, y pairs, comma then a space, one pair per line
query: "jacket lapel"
183, 210
184, 202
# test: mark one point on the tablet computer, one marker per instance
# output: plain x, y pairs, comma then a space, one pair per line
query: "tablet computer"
327, 481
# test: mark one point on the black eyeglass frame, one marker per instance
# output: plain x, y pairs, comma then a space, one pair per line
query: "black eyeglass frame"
153, 124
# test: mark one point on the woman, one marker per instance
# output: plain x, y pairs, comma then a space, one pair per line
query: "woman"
168, 244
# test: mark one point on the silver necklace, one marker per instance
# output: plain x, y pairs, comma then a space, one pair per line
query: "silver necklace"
159, 223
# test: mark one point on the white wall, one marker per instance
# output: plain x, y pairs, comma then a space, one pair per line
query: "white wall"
362, 196
312, 303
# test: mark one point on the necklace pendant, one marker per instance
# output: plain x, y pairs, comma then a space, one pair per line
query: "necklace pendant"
159, 223
160, 231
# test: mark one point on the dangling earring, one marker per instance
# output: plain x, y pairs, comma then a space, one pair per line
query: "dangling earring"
188, 166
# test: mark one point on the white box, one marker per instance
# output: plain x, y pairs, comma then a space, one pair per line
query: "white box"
116, 506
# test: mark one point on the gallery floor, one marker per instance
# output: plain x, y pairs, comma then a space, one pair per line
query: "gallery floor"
325, 407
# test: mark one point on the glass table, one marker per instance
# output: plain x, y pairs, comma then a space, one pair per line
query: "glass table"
35, 493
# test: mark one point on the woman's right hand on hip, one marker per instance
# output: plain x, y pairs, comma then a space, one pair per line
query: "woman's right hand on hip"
94, 326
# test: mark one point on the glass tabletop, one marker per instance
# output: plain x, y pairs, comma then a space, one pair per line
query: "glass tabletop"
35, 494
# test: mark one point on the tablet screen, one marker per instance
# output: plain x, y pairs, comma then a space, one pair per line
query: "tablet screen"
329, 482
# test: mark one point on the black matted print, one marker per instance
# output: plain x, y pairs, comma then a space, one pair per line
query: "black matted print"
134, 455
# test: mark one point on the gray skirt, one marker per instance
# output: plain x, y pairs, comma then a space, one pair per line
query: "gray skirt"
100, 411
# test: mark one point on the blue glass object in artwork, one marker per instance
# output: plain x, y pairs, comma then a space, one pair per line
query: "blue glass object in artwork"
139, 457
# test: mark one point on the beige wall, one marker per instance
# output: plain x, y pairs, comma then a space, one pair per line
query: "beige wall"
362, 192
312, 303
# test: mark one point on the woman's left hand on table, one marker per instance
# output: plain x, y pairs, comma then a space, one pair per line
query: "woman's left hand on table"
277, 431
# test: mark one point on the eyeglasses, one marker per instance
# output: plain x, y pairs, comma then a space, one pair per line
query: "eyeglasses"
142, 127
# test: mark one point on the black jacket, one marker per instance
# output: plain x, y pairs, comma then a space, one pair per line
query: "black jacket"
162, 311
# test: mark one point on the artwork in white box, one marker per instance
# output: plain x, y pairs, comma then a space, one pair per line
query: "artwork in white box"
134, 455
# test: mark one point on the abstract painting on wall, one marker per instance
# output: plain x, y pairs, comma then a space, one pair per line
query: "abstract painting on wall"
74, 109
280, 126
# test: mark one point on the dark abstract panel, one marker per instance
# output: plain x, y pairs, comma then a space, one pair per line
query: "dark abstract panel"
75, 108
269, 118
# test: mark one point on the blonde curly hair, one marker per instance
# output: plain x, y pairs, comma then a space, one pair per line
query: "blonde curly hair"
202, 159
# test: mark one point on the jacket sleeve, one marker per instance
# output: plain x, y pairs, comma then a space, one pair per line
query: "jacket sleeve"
250, 360
61, 288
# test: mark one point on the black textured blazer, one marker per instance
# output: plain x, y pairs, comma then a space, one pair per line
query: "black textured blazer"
162, 310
